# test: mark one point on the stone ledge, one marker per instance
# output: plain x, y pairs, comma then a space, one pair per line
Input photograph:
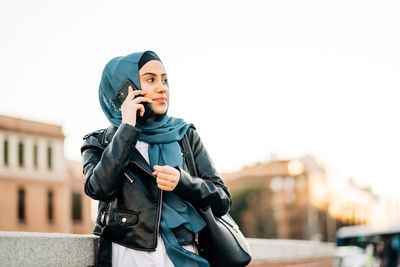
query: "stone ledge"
54, 249
46, 249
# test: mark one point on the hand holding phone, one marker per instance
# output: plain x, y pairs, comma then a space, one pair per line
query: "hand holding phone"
135, 107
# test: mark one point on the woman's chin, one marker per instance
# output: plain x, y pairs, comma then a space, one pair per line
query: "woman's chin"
160, 111
157, 116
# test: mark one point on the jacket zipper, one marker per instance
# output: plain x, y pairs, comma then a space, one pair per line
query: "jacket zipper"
159, 215
160, 205
143, 169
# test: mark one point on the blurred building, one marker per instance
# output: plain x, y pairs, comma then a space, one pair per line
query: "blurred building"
292, 199
282, 199
356, 204
40, 191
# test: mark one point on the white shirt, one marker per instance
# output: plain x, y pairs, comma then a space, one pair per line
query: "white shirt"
124, 257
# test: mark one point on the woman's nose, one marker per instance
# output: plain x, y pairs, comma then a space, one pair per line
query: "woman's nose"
161, 87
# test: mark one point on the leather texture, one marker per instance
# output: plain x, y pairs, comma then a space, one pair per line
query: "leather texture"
115, 172
227, 246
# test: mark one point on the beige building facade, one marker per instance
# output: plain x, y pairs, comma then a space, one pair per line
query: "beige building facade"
40, 191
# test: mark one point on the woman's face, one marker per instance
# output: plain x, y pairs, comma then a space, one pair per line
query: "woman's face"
154, 83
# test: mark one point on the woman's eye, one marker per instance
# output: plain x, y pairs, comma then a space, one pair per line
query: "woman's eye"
165, 81
150, 80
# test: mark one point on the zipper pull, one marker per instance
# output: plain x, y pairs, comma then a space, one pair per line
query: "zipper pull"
129, 178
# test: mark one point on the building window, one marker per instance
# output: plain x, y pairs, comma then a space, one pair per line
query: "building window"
21, 205
5, 152
49, 157
20, 154
35, 156
76, 206
50, 206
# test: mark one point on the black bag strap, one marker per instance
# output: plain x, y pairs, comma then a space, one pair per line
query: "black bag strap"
201, 238
189, 155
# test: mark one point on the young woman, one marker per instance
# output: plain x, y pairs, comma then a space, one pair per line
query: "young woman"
138, 171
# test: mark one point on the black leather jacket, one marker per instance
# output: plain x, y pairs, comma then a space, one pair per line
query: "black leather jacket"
116, 172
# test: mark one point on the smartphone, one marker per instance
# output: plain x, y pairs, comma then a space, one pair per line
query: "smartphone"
148, 109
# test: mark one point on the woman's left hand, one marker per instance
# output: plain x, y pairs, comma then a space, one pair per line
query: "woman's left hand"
167, 177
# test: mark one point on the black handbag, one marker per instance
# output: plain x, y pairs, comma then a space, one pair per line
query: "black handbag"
220, 242
226, 245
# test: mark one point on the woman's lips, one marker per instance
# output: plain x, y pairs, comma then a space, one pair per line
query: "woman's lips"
161, 100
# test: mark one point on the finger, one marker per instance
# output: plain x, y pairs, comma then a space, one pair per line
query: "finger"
165, 176
157, 168
166, 188
163, 168
141, 108
141, 99
132, 93
168, 169
163, 182
138, 92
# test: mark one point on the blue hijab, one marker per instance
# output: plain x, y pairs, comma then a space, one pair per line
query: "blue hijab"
162, 136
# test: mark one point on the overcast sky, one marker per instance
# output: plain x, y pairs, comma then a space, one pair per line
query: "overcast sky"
255, 77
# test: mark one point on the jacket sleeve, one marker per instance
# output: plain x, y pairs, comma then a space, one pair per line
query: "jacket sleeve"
208, 188
102, 169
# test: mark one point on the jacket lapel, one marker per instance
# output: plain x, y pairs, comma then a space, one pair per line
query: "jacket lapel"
136, 157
